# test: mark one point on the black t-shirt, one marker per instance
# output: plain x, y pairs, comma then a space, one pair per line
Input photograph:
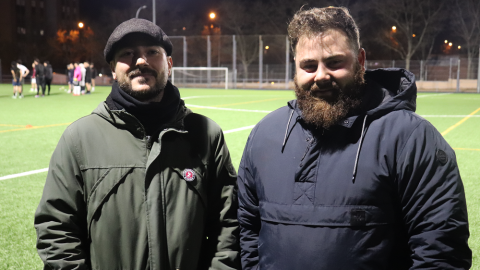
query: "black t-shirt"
16, 71
39, 71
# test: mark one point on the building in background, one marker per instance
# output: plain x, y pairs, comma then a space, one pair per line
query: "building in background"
28, 26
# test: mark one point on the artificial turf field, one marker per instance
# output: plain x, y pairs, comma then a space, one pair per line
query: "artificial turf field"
31, 127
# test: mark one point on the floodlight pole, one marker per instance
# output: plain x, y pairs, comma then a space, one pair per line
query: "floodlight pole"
287, 61
260, 61
139, 9
478, 72
154, 9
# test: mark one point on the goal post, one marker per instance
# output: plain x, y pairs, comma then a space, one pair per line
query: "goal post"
200, 76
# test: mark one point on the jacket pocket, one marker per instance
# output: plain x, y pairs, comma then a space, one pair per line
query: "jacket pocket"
327, 215
102, 189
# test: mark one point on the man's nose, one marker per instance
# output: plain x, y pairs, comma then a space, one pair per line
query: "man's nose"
141, 60
323, 74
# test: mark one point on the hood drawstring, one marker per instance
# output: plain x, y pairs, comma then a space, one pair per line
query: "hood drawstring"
364, 130
286, 131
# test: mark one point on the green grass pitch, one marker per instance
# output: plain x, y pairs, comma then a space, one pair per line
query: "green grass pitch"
31, 127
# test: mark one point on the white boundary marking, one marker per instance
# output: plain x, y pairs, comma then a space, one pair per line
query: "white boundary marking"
433, 95
46, 169
22, 174
225, 109
462, 116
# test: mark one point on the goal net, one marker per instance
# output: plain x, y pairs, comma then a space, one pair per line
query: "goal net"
200, 77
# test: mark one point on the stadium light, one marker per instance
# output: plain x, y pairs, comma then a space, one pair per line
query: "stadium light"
450, 44
459, 47
80, 25
394, 28
446, 41
267, 47
212, 15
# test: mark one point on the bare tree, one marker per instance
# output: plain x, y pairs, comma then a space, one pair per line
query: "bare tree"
415, 23
244, 19
466, 24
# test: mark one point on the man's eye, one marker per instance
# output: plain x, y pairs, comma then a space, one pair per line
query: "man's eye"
126, 53
153, 52
310, 67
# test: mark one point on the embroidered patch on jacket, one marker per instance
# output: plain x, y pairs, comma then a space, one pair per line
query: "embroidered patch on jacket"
442, 157
188, 175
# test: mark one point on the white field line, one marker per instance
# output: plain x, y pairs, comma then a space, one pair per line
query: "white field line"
225, 109
46, 169
22, 174
220, 96
422, 96
426, 116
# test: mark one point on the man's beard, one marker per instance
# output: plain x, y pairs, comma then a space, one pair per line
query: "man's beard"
125, 84
324, 113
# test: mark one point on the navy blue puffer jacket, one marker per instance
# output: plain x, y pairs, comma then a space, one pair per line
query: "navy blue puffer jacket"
380, 190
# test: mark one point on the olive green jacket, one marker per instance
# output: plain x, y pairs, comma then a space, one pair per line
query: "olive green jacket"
117, 199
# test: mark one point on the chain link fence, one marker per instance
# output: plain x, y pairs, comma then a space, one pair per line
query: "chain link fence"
266, 62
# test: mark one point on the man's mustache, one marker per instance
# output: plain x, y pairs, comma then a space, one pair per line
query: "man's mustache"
322, 86
139, 71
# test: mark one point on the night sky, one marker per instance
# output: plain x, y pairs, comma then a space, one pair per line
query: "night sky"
90, 9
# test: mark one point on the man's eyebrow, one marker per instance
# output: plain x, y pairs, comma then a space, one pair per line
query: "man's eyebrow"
334, 56
308, 60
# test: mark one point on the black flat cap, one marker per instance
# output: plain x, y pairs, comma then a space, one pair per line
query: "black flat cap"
141, 26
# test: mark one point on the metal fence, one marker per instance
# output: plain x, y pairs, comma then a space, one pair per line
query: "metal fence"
265, 61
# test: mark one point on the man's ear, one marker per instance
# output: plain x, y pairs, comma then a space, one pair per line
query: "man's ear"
170, 65
362, 57
112, 68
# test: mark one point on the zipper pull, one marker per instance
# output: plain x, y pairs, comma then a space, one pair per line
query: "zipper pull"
149, 142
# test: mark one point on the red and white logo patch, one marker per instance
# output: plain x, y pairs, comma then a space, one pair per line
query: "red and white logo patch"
188, 175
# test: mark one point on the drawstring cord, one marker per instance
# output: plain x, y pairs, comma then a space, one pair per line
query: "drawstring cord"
358, 150
286, 131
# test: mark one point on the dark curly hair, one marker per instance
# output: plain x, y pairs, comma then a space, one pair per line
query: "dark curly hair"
314, 21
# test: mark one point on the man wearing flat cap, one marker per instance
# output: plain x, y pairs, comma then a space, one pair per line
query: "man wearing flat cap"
142, 182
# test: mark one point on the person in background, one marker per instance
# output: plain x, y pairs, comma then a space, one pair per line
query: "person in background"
347, 176
48, 75
77, 78
69, 74
16, 79
33, 80
24, 70
94, 75
40, 77
82, 81
88, 77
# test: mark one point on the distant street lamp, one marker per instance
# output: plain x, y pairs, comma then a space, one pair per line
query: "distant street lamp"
139, 9
212, 15
394, 28
80, 25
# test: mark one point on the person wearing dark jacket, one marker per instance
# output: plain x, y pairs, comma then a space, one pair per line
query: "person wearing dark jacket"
39, 77
142, 182
347, 176
48, 75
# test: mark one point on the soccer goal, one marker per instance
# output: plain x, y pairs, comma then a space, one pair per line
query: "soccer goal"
216, 77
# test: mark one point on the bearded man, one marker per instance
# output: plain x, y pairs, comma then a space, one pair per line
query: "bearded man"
142, 182
348, 176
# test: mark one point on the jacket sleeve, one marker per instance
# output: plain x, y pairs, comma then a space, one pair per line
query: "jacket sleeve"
223, 238
248, 213
433, 202
60, 219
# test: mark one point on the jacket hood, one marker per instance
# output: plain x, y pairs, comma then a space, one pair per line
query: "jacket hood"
123, 119
387, 90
